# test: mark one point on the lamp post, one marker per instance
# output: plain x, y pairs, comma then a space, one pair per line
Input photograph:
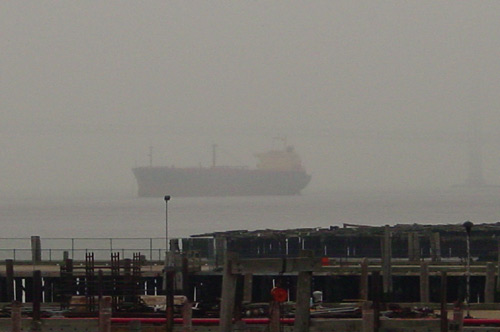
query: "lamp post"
468, 226
167, 198
168, 281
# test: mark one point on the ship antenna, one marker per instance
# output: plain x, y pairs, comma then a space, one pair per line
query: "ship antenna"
214, 148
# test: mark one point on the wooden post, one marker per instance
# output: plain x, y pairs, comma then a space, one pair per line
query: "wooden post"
169, 300
302, 309
16, 317
363, 283
37, 295
229, 281
247, 287
220, 250
489, 289
436, 247
416, 246
444, 311
411, 251
497, 291
105, 314
458, 317
274, 317
424, 282
9, 276
187, 317
185, 277
386, 262
36, 250
376, 300
368, 317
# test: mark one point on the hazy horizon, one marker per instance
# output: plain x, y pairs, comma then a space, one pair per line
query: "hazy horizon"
374, 95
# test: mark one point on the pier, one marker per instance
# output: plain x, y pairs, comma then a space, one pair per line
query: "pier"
367, 270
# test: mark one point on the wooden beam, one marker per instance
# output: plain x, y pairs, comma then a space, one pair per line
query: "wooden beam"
275, 265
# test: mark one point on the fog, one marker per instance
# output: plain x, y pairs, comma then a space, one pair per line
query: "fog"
374, 95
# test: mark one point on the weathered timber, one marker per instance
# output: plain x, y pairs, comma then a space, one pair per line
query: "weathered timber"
36, 249
275, 265
367, 317
489, 289
105, 314
187, 316
9, 274
302, 313
247, 287
386, 261
363, 282
424, 282
435, 240
444, 312
228, 294
16, 316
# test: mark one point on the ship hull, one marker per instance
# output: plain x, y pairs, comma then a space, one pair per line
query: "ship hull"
217, 181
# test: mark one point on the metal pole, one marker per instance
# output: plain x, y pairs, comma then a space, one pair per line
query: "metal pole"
468, 226
167, 198
468, 277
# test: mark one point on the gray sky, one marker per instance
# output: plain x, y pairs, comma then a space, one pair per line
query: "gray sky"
373, 94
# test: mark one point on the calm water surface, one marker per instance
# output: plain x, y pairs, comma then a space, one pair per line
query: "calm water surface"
127, 216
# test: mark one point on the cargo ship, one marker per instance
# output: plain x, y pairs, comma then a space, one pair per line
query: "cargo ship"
278, 172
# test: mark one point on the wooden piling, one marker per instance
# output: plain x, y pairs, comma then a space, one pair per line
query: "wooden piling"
16, 318
187, 317
386, 262
367, 317
413, 247
444, 311
424, 282
435, 247
302, 310
489, 287
411, 251
229, 281
247, 287
37, 294
36, 250
416, 246
220, 250
105, 314
9, 274
376, 300
169, 292
274, 317
458, 317
363, 282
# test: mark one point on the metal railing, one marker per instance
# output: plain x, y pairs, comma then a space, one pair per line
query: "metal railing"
55, 249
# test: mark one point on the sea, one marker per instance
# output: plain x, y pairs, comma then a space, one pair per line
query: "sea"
129, 217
